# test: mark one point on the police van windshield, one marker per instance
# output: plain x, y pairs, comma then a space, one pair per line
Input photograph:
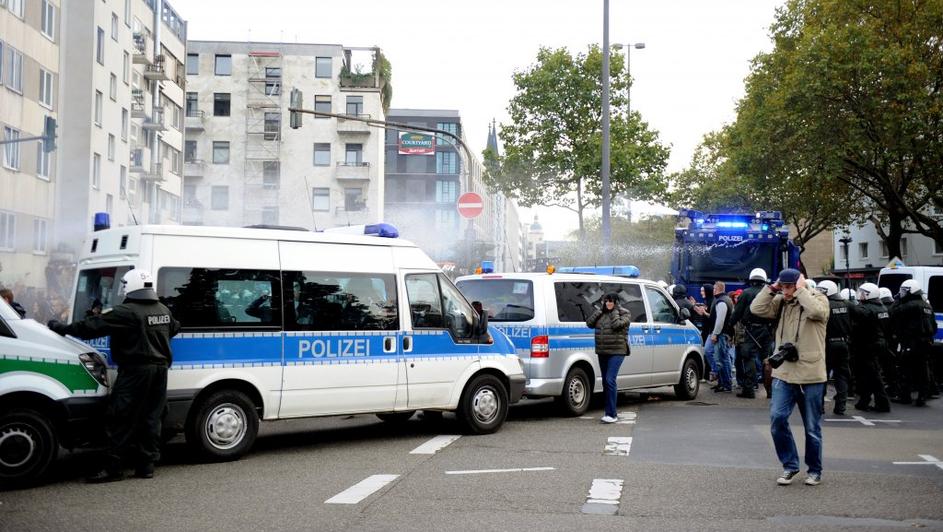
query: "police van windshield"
503, 299
7, 312
98, 290
892, 281
728, 261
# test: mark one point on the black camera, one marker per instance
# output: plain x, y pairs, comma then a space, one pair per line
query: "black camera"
786, 353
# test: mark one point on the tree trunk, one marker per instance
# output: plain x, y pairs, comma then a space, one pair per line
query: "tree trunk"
895, 230
579, 207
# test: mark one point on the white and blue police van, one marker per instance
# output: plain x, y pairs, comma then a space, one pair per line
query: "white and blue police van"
930, 280
545, 314
280, 323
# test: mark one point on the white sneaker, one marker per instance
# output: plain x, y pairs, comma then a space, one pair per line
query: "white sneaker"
786, 478
608, 419
813, 479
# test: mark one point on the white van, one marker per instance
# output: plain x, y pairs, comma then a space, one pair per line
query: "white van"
930, 279
545, 314
280, 323
52, 392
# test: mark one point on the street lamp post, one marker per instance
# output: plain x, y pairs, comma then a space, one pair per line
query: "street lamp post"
604, 170
845, 241
628, 69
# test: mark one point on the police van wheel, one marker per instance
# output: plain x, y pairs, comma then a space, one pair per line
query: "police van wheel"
224, 426
576, 393
396, 418
688, 386
28, 446
484, 405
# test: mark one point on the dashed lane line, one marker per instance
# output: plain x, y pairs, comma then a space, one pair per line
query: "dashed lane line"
512, 470
362, 489
618, 446
927, 460
604, 495
435, 444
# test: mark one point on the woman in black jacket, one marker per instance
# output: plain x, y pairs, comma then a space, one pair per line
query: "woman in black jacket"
611, 323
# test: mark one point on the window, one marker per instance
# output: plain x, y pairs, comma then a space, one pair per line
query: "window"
353, 154
446, 162
96, 170
322, 154
113, 87
126, 68
863, 250
114, 26
189, 150
884, 251
11, 151
123, 182
98, 108
353, 199
127, 13
271, 174
355, 105
176, 115
48, 22
323, 67
223, 65
322, 103
220, 152
937, 248
100, 47
193, 64
109, 203
446, 220
662, 309
98, 286
176, 161
220, 104
45, 88
189, 196
219, 198
446, 191
842, 253
111, 147
16, 7
192, 103
434, 303
273, 125
326, 301
14, 64
503, 299
7, 231
124, 124
39, 236
321, 199
935, 292
451, 127
270, 215
903, 247
576, 300
207, 298
42, 160
2, 59
273, 81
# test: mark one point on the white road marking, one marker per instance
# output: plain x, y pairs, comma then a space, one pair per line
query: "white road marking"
604, 495
864, 421
618, 445
512, 470
928, 460
627, 418
587, 417
435, 444
362, 489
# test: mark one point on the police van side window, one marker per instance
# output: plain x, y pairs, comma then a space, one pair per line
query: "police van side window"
577, 300
326, 301
204, 298
434, 303
662, 310
630, 298
97, 290
935, 292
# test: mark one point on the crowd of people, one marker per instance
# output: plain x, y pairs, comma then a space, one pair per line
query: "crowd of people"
35, 304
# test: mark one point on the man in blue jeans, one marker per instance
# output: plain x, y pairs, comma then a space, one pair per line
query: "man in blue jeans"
721, 314
800, 380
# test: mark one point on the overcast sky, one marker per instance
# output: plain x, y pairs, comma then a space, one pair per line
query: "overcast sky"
453, 54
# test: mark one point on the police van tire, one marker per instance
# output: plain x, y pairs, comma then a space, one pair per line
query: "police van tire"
574, 400
28, 446
223, 426
396, 418
690, 383
484, 405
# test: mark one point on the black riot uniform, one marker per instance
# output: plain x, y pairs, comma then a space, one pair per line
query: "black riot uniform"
837, 334
140, 329
756, 344
868, 323
889, 359
915, 326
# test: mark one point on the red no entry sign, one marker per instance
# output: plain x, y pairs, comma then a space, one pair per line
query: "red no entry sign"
470, 205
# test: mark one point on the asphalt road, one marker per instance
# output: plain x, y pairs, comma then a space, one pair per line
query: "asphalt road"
668, 465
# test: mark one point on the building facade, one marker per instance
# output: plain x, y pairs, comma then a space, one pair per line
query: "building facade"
30, 37
866, 253
121, 128
245, 166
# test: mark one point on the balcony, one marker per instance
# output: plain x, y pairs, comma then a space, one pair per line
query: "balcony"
156, 121
194, 168
138, 107
194, 119
352, 171
154, 175
137, 160
139, 49
156, 71
355, 127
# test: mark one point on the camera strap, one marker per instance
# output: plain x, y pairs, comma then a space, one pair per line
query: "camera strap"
779, 326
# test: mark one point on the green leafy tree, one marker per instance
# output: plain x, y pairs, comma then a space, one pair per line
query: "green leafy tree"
553, 141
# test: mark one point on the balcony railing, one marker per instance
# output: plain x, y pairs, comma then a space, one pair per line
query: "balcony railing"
352, 170
139, 49
194, 119
353, 126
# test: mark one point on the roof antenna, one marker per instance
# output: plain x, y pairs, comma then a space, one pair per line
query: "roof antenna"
131, 209
311, 203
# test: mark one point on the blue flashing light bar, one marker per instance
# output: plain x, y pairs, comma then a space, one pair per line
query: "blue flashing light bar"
620, 271
384, 230
733, 225
102, 221
487, 266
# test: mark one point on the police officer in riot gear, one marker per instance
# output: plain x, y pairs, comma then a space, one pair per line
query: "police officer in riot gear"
868, 325
915, 326
890, 361
140, 330
837, 333
756, 344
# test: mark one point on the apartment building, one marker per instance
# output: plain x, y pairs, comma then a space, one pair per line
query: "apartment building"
245, 166
865, 252
121, 128
29, 71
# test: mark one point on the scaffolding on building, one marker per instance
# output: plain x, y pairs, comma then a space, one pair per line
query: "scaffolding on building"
263, 138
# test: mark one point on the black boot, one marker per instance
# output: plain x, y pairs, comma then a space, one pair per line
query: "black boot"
105, 475
145, 470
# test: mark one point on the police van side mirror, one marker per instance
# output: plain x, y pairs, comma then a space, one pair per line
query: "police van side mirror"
685, 315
